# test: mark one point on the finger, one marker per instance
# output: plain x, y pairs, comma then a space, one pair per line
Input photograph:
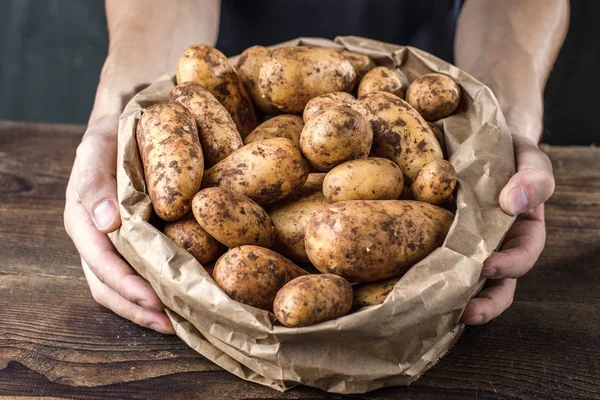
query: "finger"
102, 258
491, 302
522, 247
96, 183
533, 183
108, 298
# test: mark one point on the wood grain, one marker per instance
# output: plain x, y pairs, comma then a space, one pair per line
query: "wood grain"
56, 342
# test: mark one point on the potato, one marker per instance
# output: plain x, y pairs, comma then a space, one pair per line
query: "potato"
367, 179
291, 76
325, 101
188, 234
336, 135
285, 126
265, 171
252, 275
361, 63
371, 240
217, 131
248, 68
434, 96
435, 182
373, 293
172, 158
232, 218
291, 217
207, 66
310, 299
381, 79
399, 132
439, 135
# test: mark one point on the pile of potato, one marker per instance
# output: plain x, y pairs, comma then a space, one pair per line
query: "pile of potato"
326, 204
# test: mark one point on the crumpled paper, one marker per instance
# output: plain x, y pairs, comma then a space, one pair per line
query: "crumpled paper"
385, 345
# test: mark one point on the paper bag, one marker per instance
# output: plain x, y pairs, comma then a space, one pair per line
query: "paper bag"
384, 345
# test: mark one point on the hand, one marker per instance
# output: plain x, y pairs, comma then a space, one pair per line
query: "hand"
524, 195
90, 212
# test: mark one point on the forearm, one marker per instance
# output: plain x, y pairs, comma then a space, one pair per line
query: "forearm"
511, 46
146, 37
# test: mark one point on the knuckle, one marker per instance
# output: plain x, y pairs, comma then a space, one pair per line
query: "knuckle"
104, 129
487, 316
84, 150
98, 295
509, 301
99, 276
89, 181
138, 316
67, 221
551, 183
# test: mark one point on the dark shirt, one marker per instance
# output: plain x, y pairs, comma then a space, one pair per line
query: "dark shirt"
427, 24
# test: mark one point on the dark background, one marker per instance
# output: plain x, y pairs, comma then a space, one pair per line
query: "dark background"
51, 52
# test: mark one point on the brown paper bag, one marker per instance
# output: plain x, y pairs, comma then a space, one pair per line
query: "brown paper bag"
385, 345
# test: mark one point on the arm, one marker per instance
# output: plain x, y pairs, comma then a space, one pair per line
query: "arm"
511, 46
146, 39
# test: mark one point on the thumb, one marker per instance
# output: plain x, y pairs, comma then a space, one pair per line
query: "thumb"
533, 183
96, 162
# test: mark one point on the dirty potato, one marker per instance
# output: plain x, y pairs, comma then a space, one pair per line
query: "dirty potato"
435, 182
361, 63
291, 76
210, 68
248, 68
310, 299
172, 158
232, 218
291, 217
371, 240
373, 293
217, 131
434, 96
399, 132
265, 171
336, 135
367, 179
285, 126
381, 79
252, 275
325, 101
188, 234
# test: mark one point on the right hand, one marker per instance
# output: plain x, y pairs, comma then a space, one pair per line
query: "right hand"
91, 211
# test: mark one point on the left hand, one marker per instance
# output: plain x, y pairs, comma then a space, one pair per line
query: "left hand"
524, 195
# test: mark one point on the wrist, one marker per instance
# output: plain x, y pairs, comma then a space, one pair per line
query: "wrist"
521, 102
118, 83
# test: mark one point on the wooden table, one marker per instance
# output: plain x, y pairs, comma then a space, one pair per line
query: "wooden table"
55, 341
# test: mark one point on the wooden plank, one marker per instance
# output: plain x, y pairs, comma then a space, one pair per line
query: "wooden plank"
52, 326
56, 342
531, 352
35, 162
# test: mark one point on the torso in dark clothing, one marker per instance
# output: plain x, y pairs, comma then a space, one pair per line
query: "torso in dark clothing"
427, 24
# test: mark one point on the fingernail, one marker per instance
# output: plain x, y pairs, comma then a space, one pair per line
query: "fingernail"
517, 201
476, 320
155, 326
488, 272
148, 305
104, 214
